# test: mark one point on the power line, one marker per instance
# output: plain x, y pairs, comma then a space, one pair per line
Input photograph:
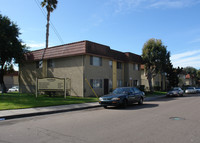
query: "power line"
51, 25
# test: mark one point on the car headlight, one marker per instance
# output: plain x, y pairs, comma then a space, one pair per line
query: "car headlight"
115, 98
100, 99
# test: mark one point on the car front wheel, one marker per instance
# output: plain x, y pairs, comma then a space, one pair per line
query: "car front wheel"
125, 103
140, 102
105, 107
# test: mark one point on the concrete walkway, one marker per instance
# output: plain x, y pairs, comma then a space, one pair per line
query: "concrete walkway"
20, 113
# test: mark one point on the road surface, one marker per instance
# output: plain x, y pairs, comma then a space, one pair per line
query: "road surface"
166, 120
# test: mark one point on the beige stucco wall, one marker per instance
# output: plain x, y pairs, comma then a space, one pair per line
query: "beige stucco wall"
158, 80
96, 72
27, 77
120, 74
131, 74
77, 69
71, 67
11, 80
144, 80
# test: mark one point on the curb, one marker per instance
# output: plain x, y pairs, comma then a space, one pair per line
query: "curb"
45, 113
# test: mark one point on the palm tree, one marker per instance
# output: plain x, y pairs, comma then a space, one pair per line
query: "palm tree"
50, 6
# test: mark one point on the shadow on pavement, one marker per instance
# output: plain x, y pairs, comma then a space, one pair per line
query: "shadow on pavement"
135, 107
165, 98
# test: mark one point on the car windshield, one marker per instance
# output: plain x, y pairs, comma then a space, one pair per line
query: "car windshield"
15, 87
121, 91
176, 88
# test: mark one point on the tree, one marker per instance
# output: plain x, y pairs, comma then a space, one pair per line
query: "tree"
11, 47
50, 6
173, 76
198, 76
192, 72
155, 58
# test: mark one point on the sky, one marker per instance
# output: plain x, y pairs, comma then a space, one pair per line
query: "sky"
124, 25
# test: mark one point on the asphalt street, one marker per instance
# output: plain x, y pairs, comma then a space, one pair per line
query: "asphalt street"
165, 120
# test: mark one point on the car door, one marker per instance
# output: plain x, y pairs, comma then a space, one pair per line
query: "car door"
137, 94
132, 95
128, 93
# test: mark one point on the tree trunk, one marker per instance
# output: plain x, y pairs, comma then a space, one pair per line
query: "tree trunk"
3, 87
149, 77
44, 66
47, 30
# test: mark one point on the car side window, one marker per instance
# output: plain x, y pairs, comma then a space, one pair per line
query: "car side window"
136, 90
132, 91
126, 91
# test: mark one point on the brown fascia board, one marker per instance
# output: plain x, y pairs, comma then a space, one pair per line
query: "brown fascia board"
82, 48
71, 49
15, 73
105, 51
134, 57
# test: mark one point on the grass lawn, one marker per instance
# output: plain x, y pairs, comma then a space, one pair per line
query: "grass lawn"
155, 93
18, 101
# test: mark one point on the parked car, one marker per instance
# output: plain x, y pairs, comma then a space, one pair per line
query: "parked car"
198, 89
14, 89
122, 96
176, 91
190, 90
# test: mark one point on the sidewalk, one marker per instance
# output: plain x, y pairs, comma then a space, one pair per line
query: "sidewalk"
20, 113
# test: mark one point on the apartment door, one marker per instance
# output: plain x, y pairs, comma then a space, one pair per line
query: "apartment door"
106, 87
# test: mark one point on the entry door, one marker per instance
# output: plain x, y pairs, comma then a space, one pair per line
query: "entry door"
106, 86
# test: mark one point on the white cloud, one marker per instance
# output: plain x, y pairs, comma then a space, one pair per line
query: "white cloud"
185, 54
126, 5
36, 45
195, 40
171, 4
189, 58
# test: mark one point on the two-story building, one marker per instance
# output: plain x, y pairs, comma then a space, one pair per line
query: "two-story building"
82, 62
159, 82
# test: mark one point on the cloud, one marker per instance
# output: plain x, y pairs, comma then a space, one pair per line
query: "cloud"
36, 45
126, 5
189, 58
184, 54
172, 3
195, 40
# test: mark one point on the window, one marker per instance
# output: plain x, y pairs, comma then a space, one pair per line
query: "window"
119, 83
110, 84
119, 65
110, 64
50, 63
95, 61
136, 67
135, 82
96, 83
39, 64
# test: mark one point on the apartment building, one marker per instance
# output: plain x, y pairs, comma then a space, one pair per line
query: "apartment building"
11, 79
159, 82
85, 64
